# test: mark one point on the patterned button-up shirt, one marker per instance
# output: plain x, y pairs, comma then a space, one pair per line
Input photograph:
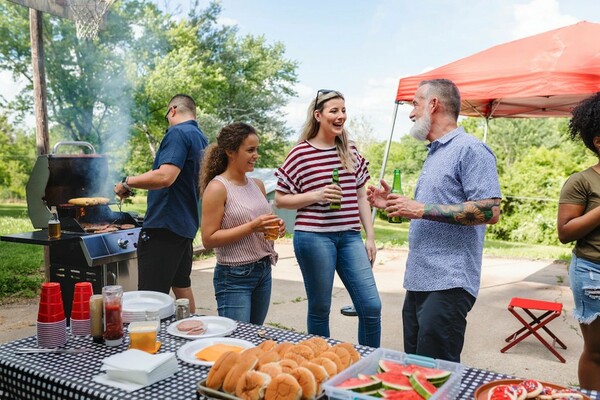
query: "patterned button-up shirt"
458, 168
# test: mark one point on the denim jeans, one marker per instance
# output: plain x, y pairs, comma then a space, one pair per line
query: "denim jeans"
320, 255
243, 293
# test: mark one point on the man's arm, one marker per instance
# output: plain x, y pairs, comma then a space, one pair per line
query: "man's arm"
469, 213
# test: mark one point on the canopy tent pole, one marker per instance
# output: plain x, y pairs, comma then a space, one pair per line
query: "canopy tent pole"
485, 130
385, 156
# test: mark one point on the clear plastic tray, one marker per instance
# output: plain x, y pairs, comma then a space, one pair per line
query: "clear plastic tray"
369, 364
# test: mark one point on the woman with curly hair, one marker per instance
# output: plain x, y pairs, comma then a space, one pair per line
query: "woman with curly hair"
236, 216
579, 220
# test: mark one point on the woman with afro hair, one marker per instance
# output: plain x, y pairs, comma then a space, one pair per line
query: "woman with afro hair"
579, 221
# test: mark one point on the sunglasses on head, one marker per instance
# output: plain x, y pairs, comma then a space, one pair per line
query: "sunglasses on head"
323, 92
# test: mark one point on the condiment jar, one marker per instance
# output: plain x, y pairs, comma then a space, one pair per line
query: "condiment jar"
182, 308
96, 313
113, 321
152, 314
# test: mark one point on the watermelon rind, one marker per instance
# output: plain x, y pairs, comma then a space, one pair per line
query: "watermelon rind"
440, 381
361, 385
422, 385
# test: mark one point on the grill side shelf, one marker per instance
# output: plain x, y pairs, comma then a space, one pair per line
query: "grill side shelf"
38, 237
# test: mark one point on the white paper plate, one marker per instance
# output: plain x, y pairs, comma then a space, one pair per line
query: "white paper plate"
215, 327
136, 303
188, 351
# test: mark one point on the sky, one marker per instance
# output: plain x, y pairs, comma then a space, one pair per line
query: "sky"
363, 47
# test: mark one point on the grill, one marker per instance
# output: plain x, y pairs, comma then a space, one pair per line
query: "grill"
80, 254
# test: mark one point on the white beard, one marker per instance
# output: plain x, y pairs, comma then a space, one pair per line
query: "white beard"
421, 128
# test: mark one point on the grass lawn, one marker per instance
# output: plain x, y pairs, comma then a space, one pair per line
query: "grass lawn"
21, 265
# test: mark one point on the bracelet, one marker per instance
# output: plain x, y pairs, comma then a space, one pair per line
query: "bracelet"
125, 185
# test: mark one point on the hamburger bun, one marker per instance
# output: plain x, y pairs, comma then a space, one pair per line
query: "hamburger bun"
283, 387
268, 345
335, 358
343, 354
219, 370
252, 385
318, 372
326, 363
322, 344
245, 363
268, 357
272, 369
255, 351
313, 346
282, 347
297, 358
301, 350
287, 365
307, 382
354, 354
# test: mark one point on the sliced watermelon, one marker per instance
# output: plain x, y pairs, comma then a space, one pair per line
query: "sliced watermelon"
387, 365
360, 385
422, 385
393, 380
409, 369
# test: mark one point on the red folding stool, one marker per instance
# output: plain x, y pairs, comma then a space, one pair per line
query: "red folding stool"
550, 309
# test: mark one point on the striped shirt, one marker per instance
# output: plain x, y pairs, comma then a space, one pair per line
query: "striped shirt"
308, 168
243, 204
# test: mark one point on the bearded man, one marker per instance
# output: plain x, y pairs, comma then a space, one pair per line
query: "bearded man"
457, 194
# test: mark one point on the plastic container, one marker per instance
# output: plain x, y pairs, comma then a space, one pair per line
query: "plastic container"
142, 335
369, 364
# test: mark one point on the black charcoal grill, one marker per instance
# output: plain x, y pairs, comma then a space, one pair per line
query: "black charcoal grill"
80, 254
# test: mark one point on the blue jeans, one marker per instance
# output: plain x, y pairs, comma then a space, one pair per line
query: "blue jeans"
243, 293
320, 255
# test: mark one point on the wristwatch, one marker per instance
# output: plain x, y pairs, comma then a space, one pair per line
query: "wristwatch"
125, 185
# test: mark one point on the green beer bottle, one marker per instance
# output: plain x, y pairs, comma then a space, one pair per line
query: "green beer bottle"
335, 179
396, 188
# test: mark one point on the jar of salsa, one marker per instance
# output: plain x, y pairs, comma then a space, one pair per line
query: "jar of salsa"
113, 321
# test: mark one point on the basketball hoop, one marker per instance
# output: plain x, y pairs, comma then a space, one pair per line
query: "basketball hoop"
88, 15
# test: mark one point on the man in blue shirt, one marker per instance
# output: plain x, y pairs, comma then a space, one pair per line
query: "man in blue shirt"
171, 220
457, 194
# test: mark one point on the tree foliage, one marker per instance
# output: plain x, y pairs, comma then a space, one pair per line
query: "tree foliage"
113, 91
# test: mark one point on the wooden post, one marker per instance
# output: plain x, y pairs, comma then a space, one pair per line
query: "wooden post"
39, 81
39, 99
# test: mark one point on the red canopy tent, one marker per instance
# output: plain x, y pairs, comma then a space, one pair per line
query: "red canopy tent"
543, 75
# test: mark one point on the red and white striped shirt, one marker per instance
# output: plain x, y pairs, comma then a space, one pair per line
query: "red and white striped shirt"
308, 168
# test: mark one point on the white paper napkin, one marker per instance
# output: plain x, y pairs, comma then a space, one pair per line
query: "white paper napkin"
134, 369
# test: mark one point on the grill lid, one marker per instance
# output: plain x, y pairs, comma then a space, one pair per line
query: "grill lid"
56, 178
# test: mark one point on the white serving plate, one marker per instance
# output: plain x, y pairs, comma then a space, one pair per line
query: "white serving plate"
188, 351
136, 303
215, 327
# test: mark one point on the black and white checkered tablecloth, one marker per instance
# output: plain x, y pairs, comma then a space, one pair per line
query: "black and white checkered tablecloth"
69, 376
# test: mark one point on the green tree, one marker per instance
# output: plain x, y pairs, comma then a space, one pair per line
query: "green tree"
17, 155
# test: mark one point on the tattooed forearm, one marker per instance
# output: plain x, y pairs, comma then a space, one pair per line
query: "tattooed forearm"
469, 213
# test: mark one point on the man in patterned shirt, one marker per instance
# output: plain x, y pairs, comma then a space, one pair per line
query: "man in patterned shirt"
457, 194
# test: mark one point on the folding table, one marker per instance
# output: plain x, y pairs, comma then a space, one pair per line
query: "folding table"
550, 310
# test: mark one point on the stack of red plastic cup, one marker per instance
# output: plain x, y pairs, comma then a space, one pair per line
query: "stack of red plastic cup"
51, 321
80, 311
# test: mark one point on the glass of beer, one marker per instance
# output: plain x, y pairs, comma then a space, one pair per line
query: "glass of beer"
272, 232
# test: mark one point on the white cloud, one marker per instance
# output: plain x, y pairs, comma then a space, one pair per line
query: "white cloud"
539, 16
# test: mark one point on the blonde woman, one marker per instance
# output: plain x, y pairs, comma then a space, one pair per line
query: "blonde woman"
327, 240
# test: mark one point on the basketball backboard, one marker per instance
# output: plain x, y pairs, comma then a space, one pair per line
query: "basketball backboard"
60, 8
